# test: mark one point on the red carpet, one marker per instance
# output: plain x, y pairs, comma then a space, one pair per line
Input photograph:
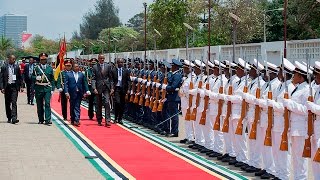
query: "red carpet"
137, 156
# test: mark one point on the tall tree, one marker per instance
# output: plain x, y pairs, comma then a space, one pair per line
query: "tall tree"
105, 15
136, 22
5, 46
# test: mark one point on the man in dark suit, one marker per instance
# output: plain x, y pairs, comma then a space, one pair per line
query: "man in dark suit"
10, 85
76, 86
121, 79
28, 80
102, 85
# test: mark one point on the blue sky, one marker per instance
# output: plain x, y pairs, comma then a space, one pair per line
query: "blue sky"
53, 17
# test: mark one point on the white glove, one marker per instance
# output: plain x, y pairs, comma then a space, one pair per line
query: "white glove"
88, 93
134, 78
144, 81
262, 103
60, 90
201, 92
139, 79
131, 78
226, 97
193, 92
164, 86
51, 92
153, 83
286, 102
131, 92
38, 78
147, 96
222, 96
270, 102
158, 85
309, 105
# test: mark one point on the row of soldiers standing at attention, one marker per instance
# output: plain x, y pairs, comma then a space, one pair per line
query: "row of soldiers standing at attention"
257, 117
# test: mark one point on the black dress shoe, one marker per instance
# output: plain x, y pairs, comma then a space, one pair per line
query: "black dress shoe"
209, 152
205, 150
32, 104
48, 123
233, 162
260, 173
222, 156
183, 141
120, 122
14, 121
215, 155
276, 178
9, 121
40, 122
252, 169
196, 146
244, 167
107, 124
99, 124
266, 176
172, 135
163, 133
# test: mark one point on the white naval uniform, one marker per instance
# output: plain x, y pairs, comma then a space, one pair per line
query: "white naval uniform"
229, 137
254, 157
240, 142
315, 140
184, 95
267, 157
216, 137
282, 159
199, 136
298, 129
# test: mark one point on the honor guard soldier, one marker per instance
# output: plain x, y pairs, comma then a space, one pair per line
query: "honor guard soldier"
91, 97
44, 87
60, 86
282, 158
184, 96
314, 107
254, 158
172, 98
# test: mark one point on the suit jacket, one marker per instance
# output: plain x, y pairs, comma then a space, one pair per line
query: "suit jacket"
125, 78
102, 80
28, 79
72, 86
4, 76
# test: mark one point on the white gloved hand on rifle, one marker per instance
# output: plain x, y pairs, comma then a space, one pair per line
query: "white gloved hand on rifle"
38, 78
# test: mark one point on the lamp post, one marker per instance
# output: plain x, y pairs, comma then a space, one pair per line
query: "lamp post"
236, 20
264, 21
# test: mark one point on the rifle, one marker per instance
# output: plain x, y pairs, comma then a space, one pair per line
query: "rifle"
194, 112
152, 97
267, 139
133, 88
284, 136
136, 97
307, 143
220, 102
143, 92
244, 104
163, 95
206, 98
226, 121
156, 91
257, 109
191, 86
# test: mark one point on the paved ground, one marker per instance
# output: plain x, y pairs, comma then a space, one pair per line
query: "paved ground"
30, 151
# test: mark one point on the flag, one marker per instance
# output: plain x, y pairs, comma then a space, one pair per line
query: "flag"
60, 58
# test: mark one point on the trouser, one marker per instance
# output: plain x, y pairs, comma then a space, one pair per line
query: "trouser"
188, 125
119, 101
10, 98
315, 144
165, 125
267, 155
281, 158
91, 106
43, 110
172, 113
254, 148
64, 102
208, 132
30, 92
75, 107
198, 130
240, 143
103, 99
229, 140
300, 164
218, 137
139, 113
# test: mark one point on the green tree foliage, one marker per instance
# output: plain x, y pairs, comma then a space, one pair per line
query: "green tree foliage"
5, 46
136, 22
105, 15
40, 44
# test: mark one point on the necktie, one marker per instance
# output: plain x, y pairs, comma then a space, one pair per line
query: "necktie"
295, 89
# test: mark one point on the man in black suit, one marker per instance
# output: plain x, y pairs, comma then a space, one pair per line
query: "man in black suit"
102, 85
121, 79
10, 85
28, 80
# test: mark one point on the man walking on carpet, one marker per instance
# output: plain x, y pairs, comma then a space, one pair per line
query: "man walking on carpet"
76, 86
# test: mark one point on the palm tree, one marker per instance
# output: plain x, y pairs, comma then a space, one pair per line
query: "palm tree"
5, 45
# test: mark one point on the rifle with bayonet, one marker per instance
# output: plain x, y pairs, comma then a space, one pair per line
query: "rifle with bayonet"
257, 108
220, 102
194, 112
267, 139
136, 97
143, 92
307, 143
244, 104
226, 122
156, 90
164, 92
206, 98
284, 136
191, 86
